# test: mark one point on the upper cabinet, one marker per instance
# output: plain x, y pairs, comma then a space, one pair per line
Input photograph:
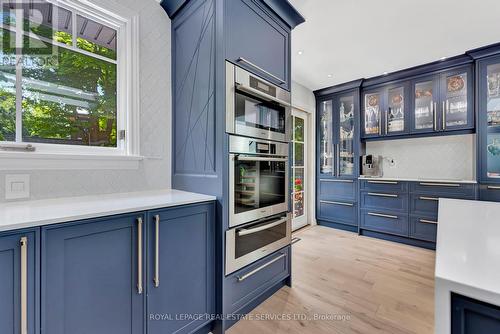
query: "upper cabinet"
385, 111
338, 135
488, 95
434, 103
258, 41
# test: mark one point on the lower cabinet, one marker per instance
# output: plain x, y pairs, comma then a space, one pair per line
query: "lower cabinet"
469, 316
18, 283
181, 269
490, 192
93, 276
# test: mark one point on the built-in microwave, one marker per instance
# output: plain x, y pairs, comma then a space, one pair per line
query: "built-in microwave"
258, 179
255, 107
251, 242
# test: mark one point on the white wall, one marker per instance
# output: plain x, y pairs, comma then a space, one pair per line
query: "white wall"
446, 157
303, 99
155, 121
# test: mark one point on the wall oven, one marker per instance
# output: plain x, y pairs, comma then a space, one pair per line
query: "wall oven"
251, 242
255, 107
258, 179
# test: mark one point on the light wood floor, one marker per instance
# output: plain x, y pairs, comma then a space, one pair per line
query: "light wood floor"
382, 287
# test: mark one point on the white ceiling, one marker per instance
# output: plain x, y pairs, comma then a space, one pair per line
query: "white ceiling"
352, 39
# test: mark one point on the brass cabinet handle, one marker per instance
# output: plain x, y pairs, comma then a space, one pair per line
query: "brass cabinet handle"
256, 270
435, 116
424, 198
139, 256
444, 115
338, 159
380, 122
156, 278
386, 121
383, 182
493, 187
427, 184
425, 221
336, 203
24, 285
383, 195
243, 60
382, 215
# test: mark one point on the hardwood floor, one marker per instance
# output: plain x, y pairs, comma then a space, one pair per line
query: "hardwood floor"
378, 286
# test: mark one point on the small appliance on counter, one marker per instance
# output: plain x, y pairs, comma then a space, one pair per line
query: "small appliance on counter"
372, 165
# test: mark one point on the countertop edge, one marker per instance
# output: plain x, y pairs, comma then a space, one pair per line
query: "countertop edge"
187, 198
409, 179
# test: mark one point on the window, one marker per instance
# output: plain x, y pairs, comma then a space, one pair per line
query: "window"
67, 78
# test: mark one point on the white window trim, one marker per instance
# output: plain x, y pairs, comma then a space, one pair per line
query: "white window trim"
126, 155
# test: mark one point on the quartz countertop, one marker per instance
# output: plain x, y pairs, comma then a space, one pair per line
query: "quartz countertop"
25, 214
409, 179
467, 255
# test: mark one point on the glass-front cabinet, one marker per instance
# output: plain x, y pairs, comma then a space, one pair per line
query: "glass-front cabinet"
385, 111
338, 138
443, 102
489, 119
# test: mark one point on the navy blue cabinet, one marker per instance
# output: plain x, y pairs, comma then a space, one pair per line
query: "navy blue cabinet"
469, 316
18, 283
181, 268
93, 276
337, 147
258, 40
385, 111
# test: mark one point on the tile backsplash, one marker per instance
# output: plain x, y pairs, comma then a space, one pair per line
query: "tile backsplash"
444, 157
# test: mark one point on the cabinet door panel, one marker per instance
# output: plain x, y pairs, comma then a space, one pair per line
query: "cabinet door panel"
325, 139
90, 277
10, 283
426, 107
469, 316
257, 42
373, 106
186, 261
457, 100
396, 119
346, 110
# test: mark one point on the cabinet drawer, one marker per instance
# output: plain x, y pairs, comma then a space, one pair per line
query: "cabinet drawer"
423, 228
465, 191
489, 193
384, 186
337, 188
337, 211
243, 286
426, 205
384, 201
393, 223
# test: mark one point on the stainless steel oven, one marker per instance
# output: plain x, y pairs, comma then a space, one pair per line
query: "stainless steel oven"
255, 107
251, 242
258, 179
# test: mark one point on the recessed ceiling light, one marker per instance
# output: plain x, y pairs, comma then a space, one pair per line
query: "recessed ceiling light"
330, 75
443, 58
300, 52
385, 73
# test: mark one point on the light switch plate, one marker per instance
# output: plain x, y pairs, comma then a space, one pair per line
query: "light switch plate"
17, 186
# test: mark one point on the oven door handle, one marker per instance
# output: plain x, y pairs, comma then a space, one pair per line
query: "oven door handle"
243, 232
239, 157
264, 96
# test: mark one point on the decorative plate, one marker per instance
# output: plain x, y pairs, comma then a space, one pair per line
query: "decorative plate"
373, 100
455, 83
397, 99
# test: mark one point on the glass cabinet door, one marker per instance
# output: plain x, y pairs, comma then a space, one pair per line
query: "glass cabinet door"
490, 100
345, 109
372, 114
425, 106
395, 115
326, 137
456, 111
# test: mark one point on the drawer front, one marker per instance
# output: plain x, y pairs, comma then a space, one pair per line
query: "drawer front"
489, 193
393, 223
384, 201
423, 228
424, 204
339, 212
337, 188
384, 186
244, 285
466, 191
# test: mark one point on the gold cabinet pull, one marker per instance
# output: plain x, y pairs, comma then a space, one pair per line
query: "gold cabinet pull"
140, 288
24, 285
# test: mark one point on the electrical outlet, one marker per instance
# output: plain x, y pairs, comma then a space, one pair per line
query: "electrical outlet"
17, 186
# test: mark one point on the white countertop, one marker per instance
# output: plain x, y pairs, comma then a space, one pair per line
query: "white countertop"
409, 179
16, 215
467, 255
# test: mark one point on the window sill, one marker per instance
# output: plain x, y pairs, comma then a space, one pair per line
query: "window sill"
55, 161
